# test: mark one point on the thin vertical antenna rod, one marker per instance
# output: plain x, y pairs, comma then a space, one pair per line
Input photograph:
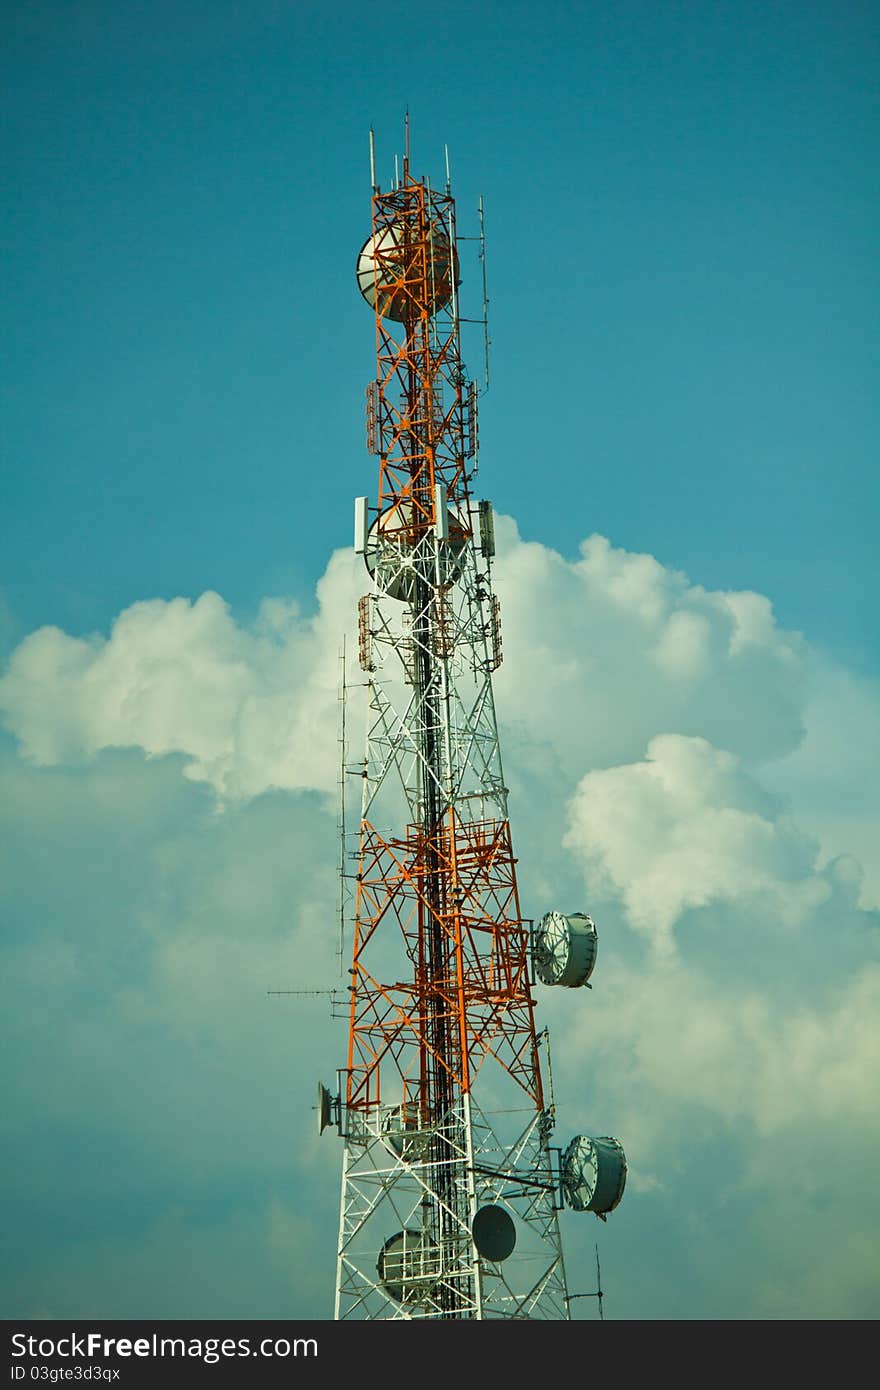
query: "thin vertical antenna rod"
485, 291
448, 180
598, 1295
342, 751
406, 145
373, 161
432, 266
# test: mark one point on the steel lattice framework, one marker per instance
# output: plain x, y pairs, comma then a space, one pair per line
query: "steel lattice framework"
442, 1104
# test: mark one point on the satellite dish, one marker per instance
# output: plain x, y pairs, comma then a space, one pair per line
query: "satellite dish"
325, 1102
494, 1233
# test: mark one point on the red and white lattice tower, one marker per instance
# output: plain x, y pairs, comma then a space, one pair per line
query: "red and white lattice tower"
451, 1189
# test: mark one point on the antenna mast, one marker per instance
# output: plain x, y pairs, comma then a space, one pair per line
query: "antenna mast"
450, 1187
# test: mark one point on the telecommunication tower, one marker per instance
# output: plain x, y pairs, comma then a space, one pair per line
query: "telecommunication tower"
451, 1188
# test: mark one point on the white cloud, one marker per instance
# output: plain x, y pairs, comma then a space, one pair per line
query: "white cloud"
672, 1042
248, 709
833, 777
685, 828
606, 651
601, 654
658, 724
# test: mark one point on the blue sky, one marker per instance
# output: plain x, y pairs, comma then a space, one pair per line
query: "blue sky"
682, 215
681, 211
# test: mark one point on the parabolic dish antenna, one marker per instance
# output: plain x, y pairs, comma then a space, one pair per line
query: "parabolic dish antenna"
324, 1107
391, 270
494, 1233
402, 1135
391, 558
593, 1174
564, 948
407, 1267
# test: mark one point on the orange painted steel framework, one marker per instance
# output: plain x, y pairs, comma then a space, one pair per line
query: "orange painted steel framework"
450, 1188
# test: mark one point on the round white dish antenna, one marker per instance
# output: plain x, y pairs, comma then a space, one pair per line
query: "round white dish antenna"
390, 266
407, 1267
564, 948
391, 557
593, 1174
402, 1136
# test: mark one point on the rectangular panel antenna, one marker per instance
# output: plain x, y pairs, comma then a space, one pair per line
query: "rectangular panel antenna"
360, 525
487, 530
441, 512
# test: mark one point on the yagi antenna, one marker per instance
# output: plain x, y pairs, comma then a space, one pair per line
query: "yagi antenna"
313, 993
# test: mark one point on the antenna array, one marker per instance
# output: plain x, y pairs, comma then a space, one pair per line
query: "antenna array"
451, 1188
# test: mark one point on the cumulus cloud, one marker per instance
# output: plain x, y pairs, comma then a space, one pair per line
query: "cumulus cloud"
601, 654
154, 1088
685, 828
604, 652
672, 752
248, 708
751, 1129
685, 1043
833, 777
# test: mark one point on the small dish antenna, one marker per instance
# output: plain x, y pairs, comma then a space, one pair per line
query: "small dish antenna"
494, 1233
327, 1104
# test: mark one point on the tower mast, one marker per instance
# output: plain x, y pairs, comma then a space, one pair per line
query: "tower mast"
450, 1191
